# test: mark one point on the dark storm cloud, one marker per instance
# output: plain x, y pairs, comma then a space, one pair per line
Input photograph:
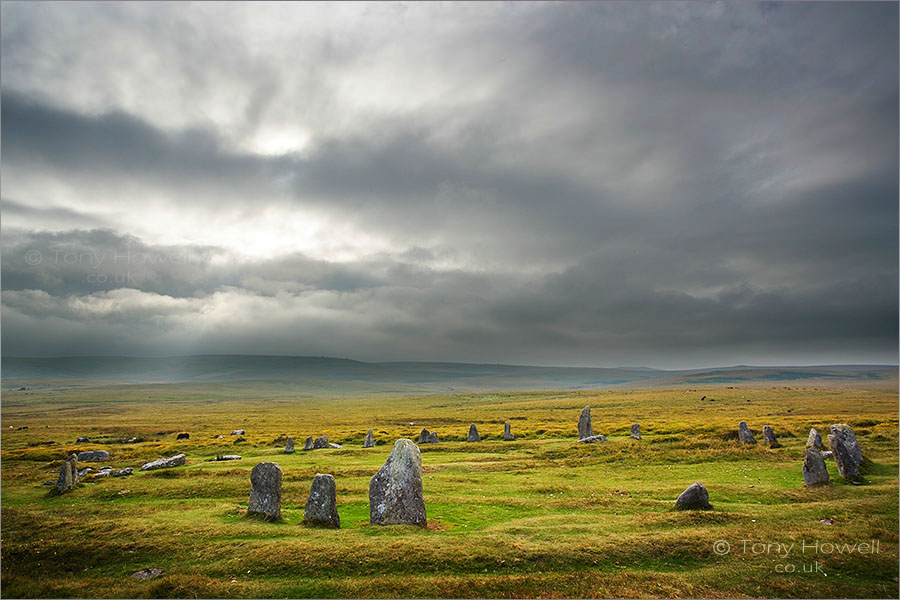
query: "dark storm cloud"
590, 183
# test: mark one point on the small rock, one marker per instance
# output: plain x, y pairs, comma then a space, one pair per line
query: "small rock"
814, 470
220, 457
149, 573
584, 424
473, 434
265, 494
814, 440
165, 463
769, 437
93, 455
183, 436
507, 431
635, 431
333, 445
238, 432
123, 472
395, 491
695, 497
321, 506
84, 471
82, 440
370, 440
321, 442
289, 446
592, 439
309, 443
744, 434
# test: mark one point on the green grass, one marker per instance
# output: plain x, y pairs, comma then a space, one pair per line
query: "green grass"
537, 517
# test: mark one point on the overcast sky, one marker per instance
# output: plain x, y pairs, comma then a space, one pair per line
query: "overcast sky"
600, 184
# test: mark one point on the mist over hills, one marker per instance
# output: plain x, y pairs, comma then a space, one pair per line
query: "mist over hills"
414, 376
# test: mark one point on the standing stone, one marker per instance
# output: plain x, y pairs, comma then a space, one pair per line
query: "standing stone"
309, 443
321, 442
370, 440
636, 431
473, 433
165, 463
584, 424
432, 437
769, 437
695, 497
507, 433
68, 475
815, 440
423, 436
846, 433
844, 457
321, 506
814, 470
93, 455
265, 495
395, 491
744, 434
289, 447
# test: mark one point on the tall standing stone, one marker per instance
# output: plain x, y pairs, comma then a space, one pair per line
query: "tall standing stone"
814, 470
423, 436
321, 442
370, 440
507, 431
584, 424
473, 433
321, 506
695, 497
815, 440
395, 491
769, 437
636, 431
432, 437
289, 447
845, 432
744, 434
68, 475
309, 444
844, 457
265, 495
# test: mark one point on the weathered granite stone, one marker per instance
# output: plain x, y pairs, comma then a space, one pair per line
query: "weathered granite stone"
148, 573
370, 440
423, 436
395, 491
846, 433
744, 434
220, 457
321, 442
432, 437
321, 506
815, 440
183, 436
695, 497
238, 432
68, 475
289, 446
265, 493
123, 472
769, 437
593, 438
93, 455
584, 424
84, 471
844, 457
473, 434
165, 463
507, 431
309, 444
814, 470
333, 445
635, 431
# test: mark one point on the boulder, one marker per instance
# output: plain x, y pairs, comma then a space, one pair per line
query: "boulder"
592, 439
238, 432
473, 434
123, 472
423, 436
846, 433
333, 445
507, 431
814, 470
183, 436
309, 444
635, 431
220, 457
815, 440
68, 475
82, 440
265, 493
93, 455
321, 442
84, 471
844, 457
289, 446
395, 491
370, 440
695, 497
584, 424
744, 434
432, 437
321, 506
165, 463
769, 437
148, 573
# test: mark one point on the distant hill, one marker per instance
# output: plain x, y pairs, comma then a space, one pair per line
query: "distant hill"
415, 376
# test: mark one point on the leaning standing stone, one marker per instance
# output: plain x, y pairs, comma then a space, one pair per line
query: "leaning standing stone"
769, 437
93, 455
844, 457
165, 463
395, 492
473, 433
265, 495
694, 498
636, 431
584, 424
507, 433
815, 440
309, 443
814, 470
321, 506
68, 475
744, 434
370, 440
846, 434
289, 447
321, 442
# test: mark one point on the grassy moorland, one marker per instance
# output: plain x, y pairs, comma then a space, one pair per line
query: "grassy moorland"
540, 516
